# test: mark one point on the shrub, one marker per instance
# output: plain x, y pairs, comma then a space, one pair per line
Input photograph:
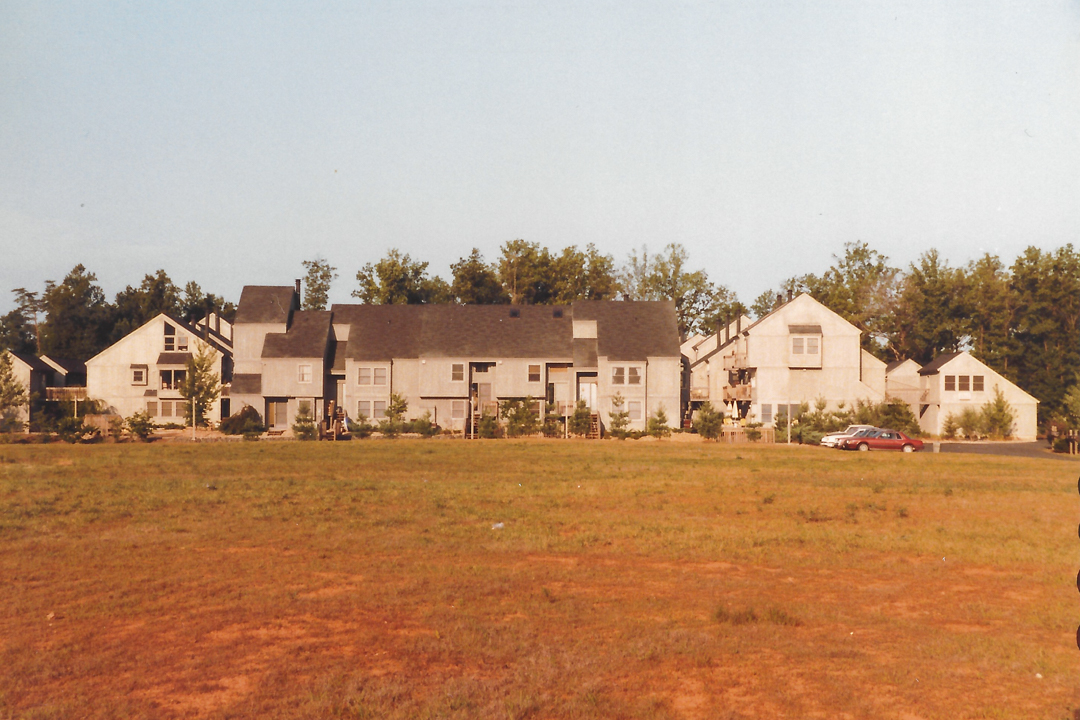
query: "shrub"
489, 426
708, 422
246, 420
73, 430
361, 428
619, 419
141, 425
950, 427
997, 416
423, 426
581, 419
657, 425
116, 428
753, 432
303, 426
520, 418
394, 424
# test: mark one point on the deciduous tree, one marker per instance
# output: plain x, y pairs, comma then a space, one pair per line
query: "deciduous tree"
320, 275
397, 279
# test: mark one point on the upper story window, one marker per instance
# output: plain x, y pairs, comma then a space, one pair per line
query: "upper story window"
965, 383
138, 375
303, 373
172, 379
364, 376
170, 338
182, 343
633, 375
618, 376
626, 375
950, 383
534, 373
457, 372
378, 376
977, 383
805, 348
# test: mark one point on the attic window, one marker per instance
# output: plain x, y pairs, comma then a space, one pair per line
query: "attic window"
556, 313
515, 313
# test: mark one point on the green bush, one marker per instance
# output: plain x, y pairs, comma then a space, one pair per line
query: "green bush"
581, 419
247, 420
657, 426
520, 418
489, 426
361, 428
423, 426
303, 426
141, 425
73, 430
997, 416
708, 422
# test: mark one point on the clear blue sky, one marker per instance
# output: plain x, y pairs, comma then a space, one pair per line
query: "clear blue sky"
227, 142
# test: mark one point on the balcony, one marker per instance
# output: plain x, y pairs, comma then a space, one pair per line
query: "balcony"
65, 394
737, 392
699, 393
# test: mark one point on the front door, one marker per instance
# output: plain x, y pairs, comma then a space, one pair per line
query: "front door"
587, 392
277, 414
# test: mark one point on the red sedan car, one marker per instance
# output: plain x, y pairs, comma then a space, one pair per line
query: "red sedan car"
882, 440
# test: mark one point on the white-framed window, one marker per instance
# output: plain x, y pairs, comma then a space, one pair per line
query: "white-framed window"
363, 409
457, 410
170, 338
797, 345
534, 373
363, 376
166, 408
378, 408
813, 345
303, 373
766, 412
138, 375
618, 376
152, 408
633, 375
378, 376
457, 372
634, 408
181, 343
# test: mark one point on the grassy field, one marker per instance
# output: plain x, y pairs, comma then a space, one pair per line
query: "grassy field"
543, 579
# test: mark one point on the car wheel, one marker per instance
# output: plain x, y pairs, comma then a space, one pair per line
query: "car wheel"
863, 447
908, 448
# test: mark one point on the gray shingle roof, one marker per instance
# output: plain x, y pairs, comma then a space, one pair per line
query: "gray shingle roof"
36, 364
266, 304
931, 368
307, 336
173, 358
626, 330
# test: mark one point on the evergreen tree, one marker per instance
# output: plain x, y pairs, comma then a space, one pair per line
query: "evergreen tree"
201, 385
78, 320
320, 275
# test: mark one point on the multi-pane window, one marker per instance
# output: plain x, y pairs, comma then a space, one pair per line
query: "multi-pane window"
965, 383
378, 376
138, 375
534, 373
364, 376
181, 343
812, 345
634, 408
166, 408
633, 375
457, 410
363, 409
806, 345
457, 372
172, 379
170, 338
797, 345
303, 373
152, 408
766, 412
618, 376
977, 383
378, 409
950, 383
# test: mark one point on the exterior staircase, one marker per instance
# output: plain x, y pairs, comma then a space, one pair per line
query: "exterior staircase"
594, 427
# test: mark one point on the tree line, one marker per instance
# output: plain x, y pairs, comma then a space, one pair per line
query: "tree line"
1022, 319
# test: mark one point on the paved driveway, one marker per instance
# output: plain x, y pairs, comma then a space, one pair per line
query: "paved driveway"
1016, 449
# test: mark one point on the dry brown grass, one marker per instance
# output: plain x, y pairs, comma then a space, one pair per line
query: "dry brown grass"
628, 580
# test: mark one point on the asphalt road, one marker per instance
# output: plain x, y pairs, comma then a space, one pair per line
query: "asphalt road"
1016, 449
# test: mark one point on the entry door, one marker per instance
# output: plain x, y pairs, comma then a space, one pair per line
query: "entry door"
340, 396
277, 413
587, 392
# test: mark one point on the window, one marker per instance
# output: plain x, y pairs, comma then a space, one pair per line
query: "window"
965, 383
766, 412
378, 408
172, 379
618, 376
378, 376
812, 345
797, 345
634, 408
457, 372
138, 375
950, 383
181, 343
363, 409
170, 338
977, 383
634, 376
151, 408
534, 373
166, 408
303, 373
457, 410
364, 376
304, 407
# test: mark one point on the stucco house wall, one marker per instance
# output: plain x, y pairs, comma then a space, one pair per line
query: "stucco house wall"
941, 397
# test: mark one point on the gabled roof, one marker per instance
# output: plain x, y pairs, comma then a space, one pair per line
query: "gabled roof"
897, 363
932, 367
266, 304
65, 365
31, 361
625, 330
307, 336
